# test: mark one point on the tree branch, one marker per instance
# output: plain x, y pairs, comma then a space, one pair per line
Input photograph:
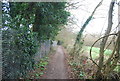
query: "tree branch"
94, 44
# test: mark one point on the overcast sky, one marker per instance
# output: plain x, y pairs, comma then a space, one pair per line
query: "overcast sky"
97, 25
100, 22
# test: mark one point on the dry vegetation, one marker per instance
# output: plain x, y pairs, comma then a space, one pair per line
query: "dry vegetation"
90, 39
82, 66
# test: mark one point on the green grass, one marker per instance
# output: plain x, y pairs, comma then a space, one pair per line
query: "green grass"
108, 52
95, 54
95, 51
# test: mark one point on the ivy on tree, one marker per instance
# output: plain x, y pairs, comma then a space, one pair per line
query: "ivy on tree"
46, 18
20, 42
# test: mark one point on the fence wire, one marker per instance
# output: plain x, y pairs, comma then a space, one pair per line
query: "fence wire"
11, 67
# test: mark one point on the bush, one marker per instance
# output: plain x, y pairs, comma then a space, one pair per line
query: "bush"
19, 48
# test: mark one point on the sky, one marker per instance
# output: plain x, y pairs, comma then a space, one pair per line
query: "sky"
99, 23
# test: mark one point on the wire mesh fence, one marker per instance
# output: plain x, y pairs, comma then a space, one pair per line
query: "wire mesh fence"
14, 62
43, 50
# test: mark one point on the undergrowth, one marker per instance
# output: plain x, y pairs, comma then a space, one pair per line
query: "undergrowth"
39, 68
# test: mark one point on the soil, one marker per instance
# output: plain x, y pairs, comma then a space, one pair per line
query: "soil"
57, 67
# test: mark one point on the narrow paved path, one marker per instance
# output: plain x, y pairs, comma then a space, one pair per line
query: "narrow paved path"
57, 68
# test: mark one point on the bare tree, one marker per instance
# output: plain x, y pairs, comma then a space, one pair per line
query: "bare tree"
77, 45
104, 40
105, 68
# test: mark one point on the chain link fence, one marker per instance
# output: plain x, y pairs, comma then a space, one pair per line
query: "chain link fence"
43, 50
0, 55
11, 63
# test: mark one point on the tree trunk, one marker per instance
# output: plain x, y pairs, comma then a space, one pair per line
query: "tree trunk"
103, 42
37, 20
77, 45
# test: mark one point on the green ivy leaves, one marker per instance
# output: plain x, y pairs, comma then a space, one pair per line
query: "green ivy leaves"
20, 42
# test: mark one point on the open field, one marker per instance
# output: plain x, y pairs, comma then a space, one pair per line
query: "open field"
95, 51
